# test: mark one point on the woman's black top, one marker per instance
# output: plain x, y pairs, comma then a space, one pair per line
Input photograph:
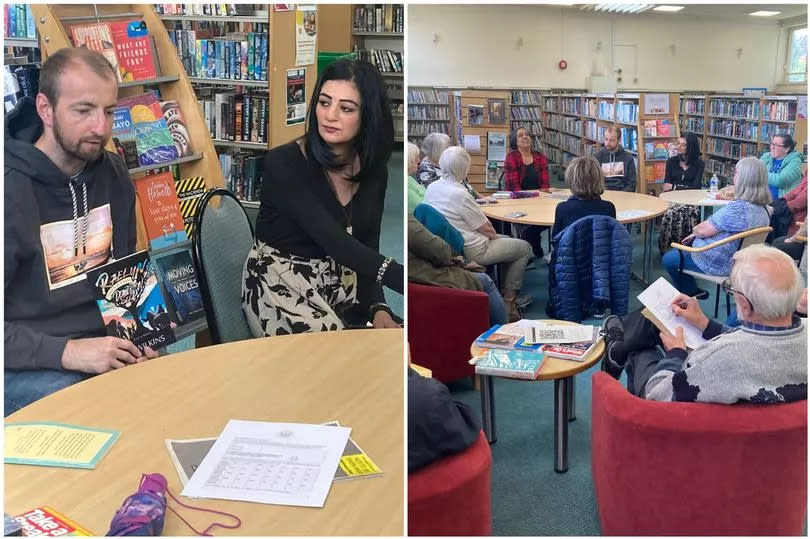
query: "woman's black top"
690, 178
300, 215
530, 179
575, 208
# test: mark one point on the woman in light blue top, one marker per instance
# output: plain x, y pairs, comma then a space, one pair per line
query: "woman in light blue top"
784, 165
746, 211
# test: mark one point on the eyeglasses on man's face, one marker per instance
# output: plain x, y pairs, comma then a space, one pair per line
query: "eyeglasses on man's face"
778, 145
726, 285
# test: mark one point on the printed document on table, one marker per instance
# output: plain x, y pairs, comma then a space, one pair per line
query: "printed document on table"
276, 463
631, 214
545, 333
658, 299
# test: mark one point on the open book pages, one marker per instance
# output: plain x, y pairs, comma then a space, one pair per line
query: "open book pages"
657, 298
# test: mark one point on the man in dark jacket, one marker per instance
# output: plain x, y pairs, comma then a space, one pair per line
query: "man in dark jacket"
617, 163
69, 207
438, 426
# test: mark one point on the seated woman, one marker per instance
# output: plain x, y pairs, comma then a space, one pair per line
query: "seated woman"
526, 169
584, 178
797, 204
481, 243
685, 170
315, 264
746, 211
431, 262
416, 191
432, 147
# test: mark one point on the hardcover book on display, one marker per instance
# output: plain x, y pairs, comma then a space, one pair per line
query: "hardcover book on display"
160, 208
131, 303
510, 363
133, 48
180, 280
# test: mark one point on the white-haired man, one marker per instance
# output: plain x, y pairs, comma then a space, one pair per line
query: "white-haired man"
763, 361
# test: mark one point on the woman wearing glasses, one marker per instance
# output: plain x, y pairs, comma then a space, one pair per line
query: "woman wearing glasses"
784, 165
747, 210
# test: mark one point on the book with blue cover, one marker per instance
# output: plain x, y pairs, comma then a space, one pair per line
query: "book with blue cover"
521, 364
495, 337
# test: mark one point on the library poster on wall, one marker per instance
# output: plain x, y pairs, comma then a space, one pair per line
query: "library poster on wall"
296, 95
475, 114
306, 32
656, 104
497, 111
496, 146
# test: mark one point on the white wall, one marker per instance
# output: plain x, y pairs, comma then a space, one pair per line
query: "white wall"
477, 46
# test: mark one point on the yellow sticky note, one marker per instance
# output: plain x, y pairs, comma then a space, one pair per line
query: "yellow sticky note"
360, 464
56, 444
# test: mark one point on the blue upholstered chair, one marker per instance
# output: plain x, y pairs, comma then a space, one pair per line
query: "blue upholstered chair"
221, 239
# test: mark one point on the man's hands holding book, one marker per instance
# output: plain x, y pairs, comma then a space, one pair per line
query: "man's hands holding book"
101, 354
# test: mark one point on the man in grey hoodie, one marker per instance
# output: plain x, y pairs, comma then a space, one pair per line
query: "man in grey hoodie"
69, 207
617, 163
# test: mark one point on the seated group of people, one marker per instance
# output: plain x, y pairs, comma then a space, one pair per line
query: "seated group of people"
315, 264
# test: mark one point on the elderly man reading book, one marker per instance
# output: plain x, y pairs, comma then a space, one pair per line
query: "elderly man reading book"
764, 360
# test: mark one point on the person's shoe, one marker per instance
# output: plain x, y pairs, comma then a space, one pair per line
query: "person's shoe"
601, 313
512, 311
523, 300
701, 294
613, 333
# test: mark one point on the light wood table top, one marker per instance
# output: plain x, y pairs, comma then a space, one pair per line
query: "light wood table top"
553, 367
540, 210
355, 377
692, 197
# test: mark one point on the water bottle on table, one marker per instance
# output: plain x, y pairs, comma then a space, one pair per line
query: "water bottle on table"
713, 184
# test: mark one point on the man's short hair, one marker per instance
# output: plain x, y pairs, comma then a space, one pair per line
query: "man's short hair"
773, 293
612, 129
455, 163
434, 144
60, 61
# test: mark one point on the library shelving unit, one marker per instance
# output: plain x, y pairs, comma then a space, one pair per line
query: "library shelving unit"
429, 111
377, 29
173, 83
280, 27
526, 108
656, 132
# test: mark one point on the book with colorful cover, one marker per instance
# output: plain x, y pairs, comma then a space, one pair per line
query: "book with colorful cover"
123, 135
133, 50
649, 150
575, 351
46, 522
97, 37
182, 284
493, 338
131, 303
520, 364
160, 208
663, 127
189, 193
177, 127
660, 150
650, 128
659, 170
153, 140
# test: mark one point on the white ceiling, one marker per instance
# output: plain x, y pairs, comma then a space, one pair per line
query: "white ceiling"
728, 12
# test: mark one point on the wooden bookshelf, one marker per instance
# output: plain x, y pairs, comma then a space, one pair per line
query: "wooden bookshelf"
429, 111
648, 180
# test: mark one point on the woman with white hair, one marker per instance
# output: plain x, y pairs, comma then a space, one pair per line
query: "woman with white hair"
481, 243
432, 147
746, 211
416, 192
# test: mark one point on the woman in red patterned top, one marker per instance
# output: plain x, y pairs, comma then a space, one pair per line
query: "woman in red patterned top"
524, 168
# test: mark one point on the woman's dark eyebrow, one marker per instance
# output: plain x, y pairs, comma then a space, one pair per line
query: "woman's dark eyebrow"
324, 94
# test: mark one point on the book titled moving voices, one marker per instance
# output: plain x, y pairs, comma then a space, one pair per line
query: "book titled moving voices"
131, 304
180, 280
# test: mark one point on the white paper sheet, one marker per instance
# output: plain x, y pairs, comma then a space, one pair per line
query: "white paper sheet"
472, 143
541, 332
711, 200
631, 214
277, 463
658, 299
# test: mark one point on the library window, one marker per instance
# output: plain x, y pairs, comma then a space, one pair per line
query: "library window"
797, 55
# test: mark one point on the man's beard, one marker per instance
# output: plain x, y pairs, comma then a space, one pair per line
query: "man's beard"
75, 150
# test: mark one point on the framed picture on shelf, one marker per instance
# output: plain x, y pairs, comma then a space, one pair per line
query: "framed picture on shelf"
497, 111
475, 114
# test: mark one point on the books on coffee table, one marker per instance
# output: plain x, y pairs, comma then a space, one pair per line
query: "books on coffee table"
520, 364
576, 351
505, 336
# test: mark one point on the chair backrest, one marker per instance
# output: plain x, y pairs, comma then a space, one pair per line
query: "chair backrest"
672, 468
755, 236
222, 239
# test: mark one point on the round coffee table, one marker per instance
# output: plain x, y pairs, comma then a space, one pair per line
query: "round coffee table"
562, 371
692, 197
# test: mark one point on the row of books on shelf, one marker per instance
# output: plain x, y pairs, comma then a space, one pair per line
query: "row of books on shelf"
234, 56
605, 111
590, 107
628, 137
243, 173
19, 81
19, 21
126, 44
736, 129
594, 130
428, 113
527, 97
564, 142
568, 124
386, 60
626, 112
693, 124
148, 131
721, 168
427, 96
767, 131
534, 128
379, 18
740, 108
418, 128
526, 113
218, 10
693, 106
779, 110
659, 128
731, 149
231, 116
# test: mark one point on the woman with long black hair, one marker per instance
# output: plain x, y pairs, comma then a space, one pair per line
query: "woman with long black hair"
315, 264
685, 170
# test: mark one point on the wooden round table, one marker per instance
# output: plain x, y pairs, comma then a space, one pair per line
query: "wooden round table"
540, 211
562, 371
354, 377
692, 197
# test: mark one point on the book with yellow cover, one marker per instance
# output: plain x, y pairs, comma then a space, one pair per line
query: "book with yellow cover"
45, 522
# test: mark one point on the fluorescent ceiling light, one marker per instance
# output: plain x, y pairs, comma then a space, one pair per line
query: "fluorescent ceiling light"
765, 13
670, 9
622, 8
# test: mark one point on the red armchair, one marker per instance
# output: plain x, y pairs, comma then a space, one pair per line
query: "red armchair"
452, 495
663, 468
442, 324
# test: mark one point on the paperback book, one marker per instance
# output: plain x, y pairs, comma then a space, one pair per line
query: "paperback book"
123, 135
182, 284
131, 304
97, 37
133, 49
153, 140
520, 364
575, 351
160, 208
505, 336
189, 193
46, 522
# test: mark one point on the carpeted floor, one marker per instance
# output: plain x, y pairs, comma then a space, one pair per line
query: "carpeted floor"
528, 497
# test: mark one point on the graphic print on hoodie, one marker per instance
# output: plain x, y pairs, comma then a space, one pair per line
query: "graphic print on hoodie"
55, 229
